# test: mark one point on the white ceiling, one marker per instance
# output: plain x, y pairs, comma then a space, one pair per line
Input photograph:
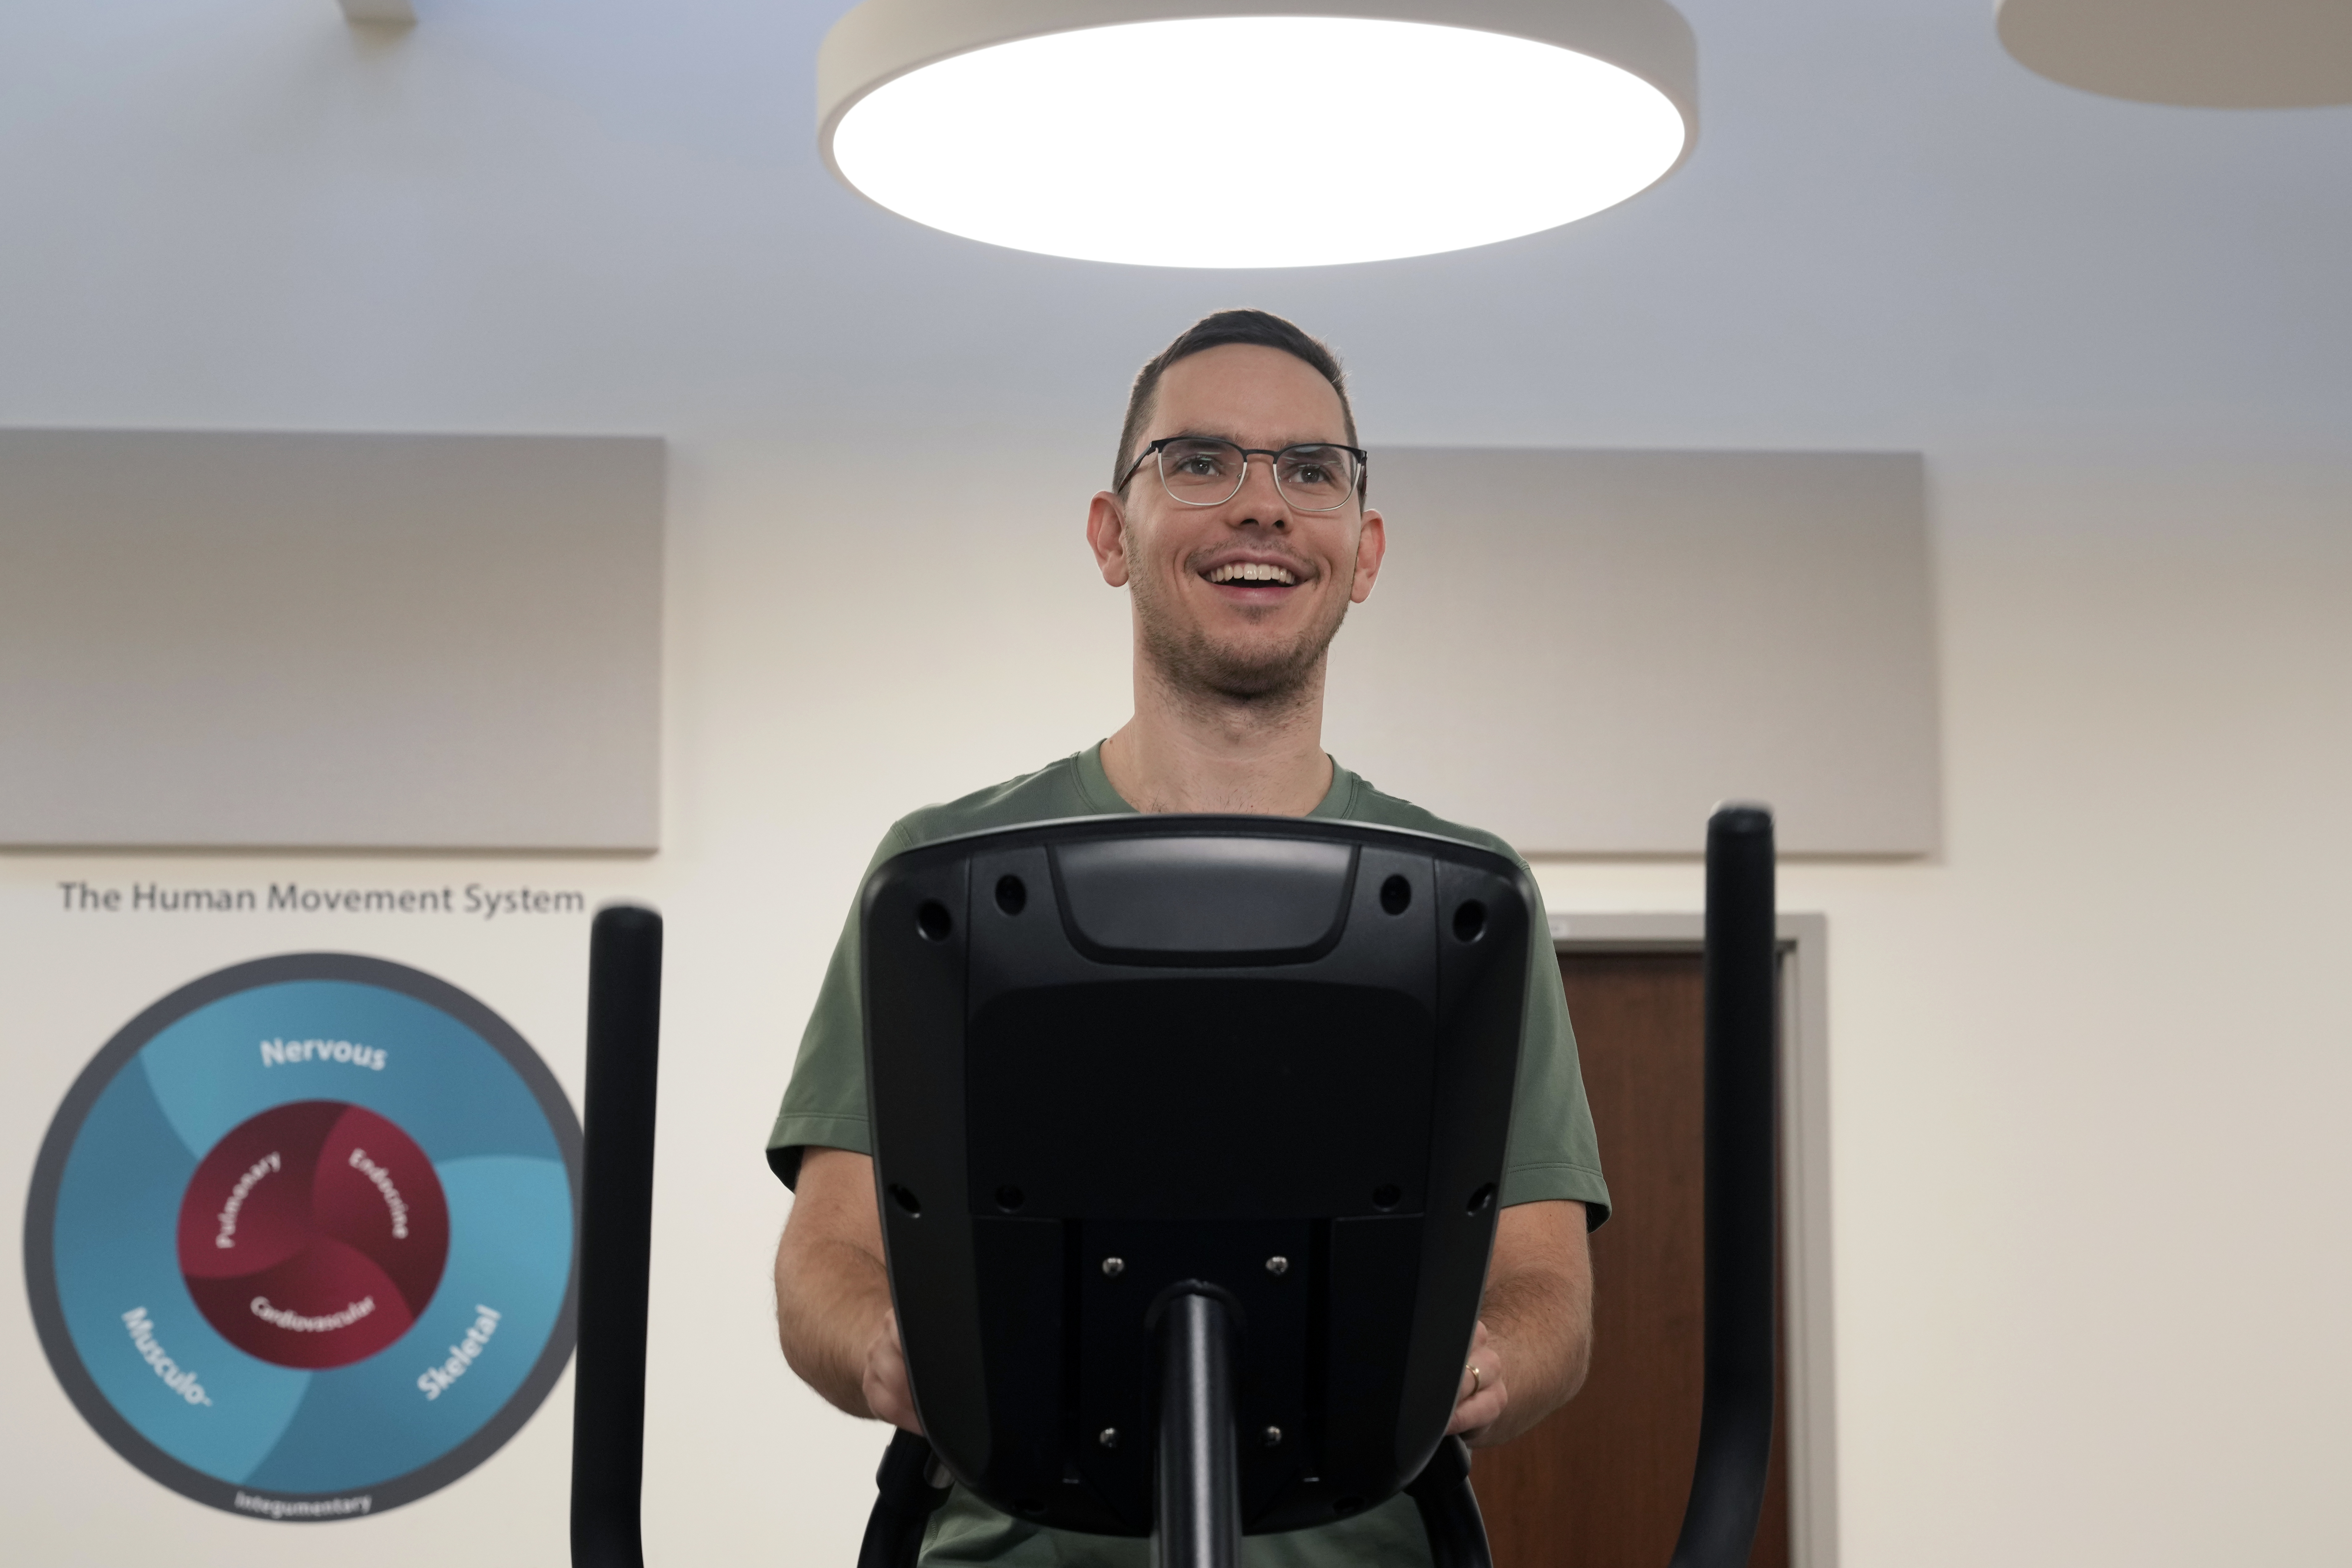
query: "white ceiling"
609, 214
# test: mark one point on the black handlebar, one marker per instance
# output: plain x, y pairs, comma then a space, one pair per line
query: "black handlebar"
617, 1215
1735, 1436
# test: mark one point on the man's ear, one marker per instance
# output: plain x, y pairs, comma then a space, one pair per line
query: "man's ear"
1371, 544
1107, 536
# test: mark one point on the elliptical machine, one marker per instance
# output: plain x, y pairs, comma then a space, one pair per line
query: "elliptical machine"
994, 964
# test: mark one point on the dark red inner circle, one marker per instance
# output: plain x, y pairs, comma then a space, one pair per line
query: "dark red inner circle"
314, 1233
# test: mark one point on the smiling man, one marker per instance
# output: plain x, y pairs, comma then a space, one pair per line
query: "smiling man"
1236, 523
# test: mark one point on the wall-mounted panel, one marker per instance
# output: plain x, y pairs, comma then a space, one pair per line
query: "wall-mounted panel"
1584, 650
329, 640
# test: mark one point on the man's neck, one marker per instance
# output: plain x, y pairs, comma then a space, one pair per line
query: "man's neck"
1190, 750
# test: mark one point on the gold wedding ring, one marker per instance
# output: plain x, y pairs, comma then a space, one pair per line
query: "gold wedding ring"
1478, 1380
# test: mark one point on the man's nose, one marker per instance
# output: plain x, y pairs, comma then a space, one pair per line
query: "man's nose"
1260, 498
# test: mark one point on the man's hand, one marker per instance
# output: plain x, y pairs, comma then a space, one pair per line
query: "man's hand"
1534, 1337
1484, 1395
887, 1393
834, 1317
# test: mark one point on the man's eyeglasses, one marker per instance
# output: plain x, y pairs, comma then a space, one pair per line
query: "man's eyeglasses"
1201, 470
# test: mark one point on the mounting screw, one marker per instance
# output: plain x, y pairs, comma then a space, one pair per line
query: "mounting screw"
1108, 1437
1114, 1266
1277, 1266
1274, 1436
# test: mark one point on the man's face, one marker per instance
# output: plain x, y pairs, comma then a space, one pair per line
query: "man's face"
1201, 622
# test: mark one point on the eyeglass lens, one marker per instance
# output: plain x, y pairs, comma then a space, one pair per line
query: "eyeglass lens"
1200, 471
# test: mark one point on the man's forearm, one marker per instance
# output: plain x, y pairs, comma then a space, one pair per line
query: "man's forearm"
1547, 1356
1538, 1311
830, 1301
833, 1293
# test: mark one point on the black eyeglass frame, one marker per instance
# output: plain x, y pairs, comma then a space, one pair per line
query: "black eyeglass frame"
1355, 486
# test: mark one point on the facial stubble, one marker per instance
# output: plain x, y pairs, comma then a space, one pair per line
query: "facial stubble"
1193, 665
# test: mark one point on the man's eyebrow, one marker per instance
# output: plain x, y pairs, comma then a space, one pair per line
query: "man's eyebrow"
1197, 435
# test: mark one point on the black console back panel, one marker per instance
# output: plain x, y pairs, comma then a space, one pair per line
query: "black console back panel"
1113, 1054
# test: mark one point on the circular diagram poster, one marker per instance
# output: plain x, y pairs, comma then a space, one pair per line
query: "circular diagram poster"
299, 1243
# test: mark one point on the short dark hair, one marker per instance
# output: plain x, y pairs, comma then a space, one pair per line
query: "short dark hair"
1215, 331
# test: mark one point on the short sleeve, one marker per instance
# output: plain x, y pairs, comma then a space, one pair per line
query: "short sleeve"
824, 1103
1554, 1152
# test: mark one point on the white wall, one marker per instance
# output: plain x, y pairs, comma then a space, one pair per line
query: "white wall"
2086, 1068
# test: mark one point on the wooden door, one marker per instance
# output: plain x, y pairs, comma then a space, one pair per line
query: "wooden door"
1601, 1483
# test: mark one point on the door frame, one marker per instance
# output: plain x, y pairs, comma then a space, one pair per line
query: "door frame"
1807, 1277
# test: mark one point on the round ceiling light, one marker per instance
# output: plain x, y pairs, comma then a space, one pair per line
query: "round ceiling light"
1214, 135
2204, 54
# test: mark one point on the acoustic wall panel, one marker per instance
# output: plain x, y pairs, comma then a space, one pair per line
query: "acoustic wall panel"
1584, 650
329, 640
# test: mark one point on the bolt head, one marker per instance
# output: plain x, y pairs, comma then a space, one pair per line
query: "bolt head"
1274, 1436
1114, 1266
1108, 1437
1277, 1266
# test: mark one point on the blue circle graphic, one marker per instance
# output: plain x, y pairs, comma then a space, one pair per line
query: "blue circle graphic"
129, 1342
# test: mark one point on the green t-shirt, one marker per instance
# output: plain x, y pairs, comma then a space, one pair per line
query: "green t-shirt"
1553, 1150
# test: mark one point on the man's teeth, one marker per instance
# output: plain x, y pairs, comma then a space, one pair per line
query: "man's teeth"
1251, 572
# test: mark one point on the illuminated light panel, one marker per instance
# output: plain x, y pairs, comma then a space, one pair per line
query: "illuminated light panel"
1293, 140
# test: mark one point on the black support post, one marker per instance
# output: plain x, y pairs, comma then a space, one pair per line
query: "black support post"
616, 1211
1449, 1509
1735, 1443
908, 1488
1199, 1521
